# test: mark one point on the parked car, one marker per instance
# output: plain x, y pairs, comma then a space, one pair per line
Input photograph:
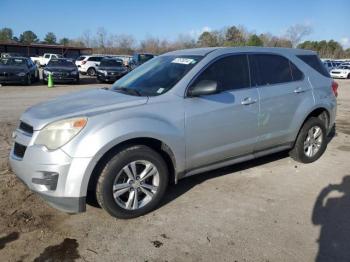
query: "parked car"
18, 70
329, 65
11, 55
111, 69
62, 70
89, 65
180, 114
341, 72
43, 60
79, 60
138, 59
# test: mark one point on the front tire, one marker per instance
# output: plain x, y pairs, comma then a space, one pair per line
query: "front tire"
133, 182
28, 80
311, 141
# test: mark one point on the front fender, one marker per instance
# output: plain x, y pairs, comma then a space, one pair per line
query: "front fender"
98, 139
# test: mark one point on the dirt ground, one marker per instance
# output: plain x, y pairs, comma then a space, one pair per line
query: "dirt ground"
270, 209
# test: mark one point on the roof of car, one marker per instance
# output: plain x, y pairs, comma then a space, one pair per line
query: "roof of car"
207, 50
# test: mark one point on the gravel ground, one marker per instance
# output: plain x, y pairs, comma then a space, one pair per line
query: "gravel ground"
269, 209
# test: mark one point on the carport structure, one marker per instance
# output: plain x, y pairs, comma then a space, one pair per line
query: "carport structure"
31, 50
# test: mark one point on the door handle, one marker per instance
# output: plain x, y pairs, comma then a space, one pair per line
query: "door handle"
248, 101
299, 90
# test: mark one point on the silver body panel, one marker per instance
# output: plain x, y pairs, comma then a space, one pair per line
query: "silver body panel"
202, 133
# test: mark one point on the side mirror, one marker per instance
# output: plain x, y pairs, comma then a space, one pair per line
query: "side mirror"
204, 87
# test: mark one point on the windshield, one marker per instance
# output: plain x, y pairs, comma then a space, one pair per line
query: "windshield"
60, 62
111, 62
157, 76
13, 61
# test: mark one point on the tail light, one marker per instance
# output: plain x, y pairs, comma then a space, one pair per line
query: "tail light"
83, 63
335, 88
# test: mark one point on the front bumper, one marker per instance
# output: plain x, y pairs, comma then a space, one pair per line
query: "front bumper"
12, 79
54, 175
342, 76
63, 79
109, 77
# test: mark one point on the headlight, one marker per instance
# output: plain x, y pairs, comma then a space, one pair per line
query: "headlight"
74, 72
102, 72
46, 72
21, 74
61, 132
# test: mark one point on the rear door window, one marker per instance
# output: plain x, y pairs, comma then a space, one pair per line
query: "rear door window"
315, 63
269, 69
230, 72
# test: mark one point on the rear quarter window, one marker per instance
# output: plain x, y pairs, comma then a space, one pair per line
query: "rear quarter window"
95, 59
314, 62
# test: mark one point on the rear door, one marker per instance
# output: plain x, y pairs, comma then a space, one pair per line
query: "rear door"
222, 126
283, 92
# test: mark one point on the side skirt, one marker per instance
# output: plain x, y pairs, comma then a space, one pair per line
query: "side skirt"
234, 160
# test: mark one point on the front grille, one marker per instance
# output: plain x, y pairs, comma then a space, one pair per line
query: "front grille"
6, 74
26, 128
60, 74
335, 72
19, 150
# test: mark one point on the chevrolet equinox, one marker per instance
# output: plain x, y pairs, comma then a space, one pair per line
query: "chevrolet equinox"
179, 114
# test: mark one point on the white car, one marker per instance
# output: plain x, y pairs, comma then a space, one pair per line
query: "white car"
329, 65
43, 60
341, 72
89, 64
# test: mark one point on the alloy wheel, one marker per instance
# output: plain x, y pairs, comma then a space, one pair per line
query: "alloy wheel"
313, 141
136, 184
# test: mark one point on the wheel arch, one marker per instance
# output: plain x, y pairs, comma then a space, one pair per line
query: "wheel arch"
320, 112
159, 146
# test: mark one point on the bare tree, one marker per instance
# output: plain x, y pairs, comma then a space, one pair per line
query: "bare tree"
297, 32
86, 38
101, 37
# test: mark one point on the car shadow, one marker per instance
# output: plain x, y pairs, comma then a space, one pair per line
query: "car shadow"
333, 215
188, 183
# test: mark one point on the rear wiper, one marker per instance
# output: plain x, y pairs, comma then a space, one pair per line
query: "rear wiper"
129, 91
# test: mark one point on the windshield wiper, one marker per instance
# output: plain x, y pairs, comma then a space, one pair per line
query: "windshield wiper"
129, 91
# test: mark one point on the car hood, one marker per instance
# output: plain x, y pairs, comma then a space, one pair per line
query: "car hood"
83, 103
60, 68
11, 69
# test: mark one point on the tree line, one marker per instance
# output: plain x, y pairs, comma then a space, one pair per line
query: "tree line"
103, 42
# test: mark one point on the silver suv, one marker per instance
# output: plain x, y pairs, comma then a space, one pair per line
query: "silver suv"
179, 114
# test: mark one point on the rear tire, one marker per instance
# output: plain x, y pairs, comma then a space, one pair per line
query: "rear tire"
122, 178
91, 71
311, 141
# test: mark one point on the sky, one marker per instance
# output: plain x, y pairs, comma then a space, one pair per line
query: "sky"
329, 19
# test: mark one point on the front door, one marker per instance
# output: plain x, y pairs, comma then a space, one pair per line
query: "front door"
222, 126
